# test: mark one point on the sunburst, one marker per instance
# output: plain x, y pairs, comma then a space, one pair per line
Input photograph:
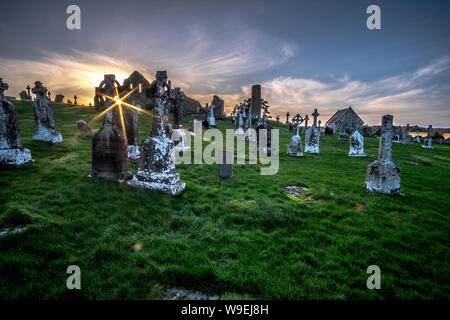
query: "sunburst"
119, 103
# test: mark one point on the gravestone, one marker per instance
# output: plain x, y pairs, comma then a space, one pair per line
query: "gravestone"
226, 164
278, 118
109, 146
312, 136
356, 145
212, 119
179, 134
43, 115
343, 137
49, 96
328, 130
320, 122
11, 149
287, 120
157, 164
428, 141
383, 175
418, 137
306, 124
84, 128
131, 120
69, 101
264, 134
249, 133
23, 95
75, 99
240, 130
59, 98
295, 146
233, 119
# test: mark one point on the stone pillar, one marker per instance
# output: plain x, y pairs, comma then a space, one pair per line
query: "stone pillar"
256, 100
109, 146
383, 175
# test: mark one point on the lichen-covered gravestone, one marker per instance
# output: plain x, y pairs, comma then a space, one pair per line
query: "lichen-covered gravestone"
109, 147
11, 150
428, 141
312, 136
43, 115
383, 175
131, 119
295, 146
157, 164
356, 145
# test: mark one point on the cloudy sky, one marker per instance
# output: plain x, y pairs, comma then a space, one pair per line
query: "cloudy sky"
305, 54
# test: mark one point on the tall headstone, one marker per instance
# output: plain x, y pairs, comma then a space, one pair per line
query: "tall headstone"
240, 129
287, 120
312, 135
75, 99
418, 136
109, 145
28, 91
226, 164
306, 124
383, 175
320, 122
428, 141
356, 145
157, 164
212, 119
249, 132
43, 115
264, 134
59, 98
11, 149
256, 100
131, 120
295, 146
179, 134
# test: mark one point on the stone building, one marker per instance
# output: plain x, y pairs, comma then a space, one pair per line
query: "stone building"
218, 107
345, 121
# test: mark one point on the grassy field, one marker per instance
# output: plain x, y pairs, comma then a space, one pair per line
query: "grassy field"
238, 238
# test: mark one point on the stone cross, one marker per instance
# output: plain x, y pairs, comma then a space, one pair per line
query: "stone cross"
306, 123
28, 89
287, 117
315, 115
297, 120
383, 175
75, 99
320, 122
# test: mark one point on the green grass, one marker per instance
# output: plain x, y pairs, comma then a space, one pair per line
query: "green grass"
239, 238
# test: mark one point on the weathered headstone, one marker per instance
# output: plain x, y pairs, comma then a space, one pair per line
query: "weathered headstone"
131, 120
356, 145
328, 130
11, 149
418, 137
157, 164
69, 101
264, 137
428, 141
84, 128
320, 122
249, 132
383, 175
23, 95
226, 164
312, 135
306, 124
109, 146
295, 148
212, 119
75, 99
240, 130
59, 98
43, 115
343, 137
179, 134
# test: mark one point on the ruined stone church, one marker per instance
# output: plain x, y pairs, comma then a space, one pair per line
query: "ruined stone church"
345, 121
